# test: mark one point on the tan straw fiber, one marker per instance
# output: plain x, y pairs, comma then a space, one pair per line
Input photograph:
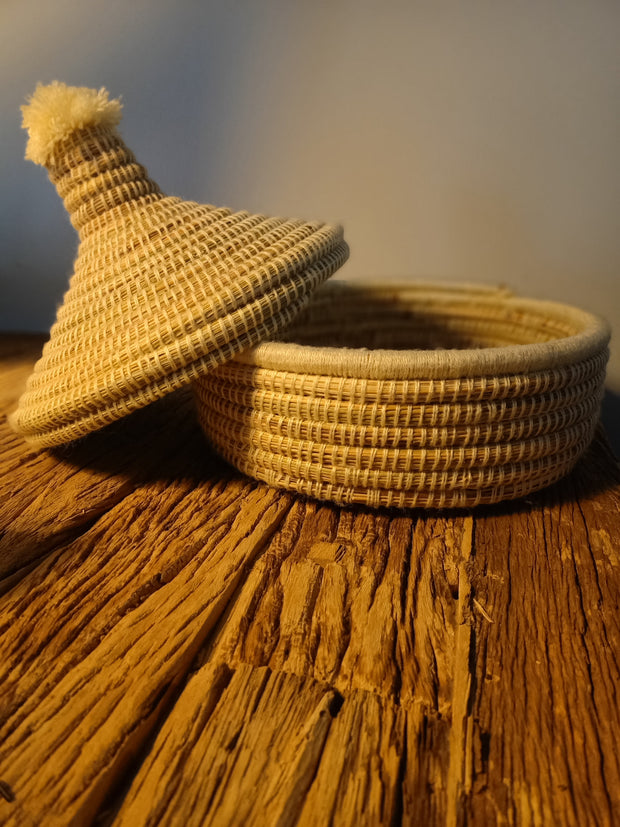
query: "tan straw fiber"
163, 290
412, 395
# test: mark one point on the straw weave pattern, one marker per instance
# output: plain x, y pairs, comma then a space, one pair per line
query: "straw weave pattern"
163, 289
333, 412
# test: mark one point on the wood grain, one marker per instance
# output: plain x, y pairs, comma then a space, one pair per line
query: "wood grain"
255, 743
48, 498
101, 665
548, 666
98, 635
179, 645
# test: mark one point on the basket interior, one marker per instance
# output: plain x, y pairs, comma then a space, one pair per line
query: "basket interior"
351, 316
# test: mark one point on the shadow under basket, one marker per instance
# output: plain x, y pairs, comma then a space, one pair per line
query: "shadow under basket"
413, 395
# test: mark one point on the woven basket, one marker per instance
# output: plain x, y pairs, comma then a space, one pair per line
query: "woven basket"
412, 395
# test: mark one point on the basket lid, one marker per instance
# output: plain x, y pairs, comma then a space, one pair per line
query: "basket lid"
163, 290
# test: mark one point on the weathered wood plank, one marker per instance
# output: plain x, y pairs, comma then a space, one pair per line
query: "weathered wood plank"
81, 591
95, 639
280, 619
360, 775
475, 655
369, 603
548, 665
359, 599
459, 779
383, 764
253, 751
51, 497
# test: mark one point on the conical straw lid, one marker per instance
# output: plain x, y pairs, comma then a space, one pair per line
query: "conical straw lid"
163, 290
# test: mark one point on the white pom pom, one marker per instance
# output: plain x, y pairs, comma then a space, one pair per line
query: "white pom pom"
55, 111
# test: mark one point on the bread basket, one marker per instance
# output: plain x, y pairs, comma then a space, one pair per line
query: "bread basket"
412, 395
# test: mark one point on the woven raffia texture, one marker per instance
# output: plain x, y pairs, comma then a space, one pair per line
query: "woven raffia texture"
163, 290
412, 396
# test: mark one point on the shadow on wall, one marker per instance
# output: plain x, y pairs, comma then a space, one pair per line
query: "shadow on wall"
610, 417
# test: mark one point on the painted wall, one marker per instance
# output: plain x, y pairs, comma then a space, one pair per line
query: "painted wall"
470, 141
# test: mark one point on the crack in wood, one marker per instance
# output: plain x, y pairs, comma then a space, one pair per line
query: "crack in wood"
459, 781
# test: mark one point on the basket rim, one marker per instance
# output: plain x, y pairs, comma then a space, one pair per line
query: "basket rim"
592, 335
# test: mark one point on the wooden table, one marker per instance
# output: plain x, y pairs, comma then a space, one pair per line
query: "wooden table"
180, 645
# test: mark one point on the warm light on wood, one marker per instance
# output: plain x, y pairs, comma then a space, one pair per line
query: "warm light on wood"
180, 645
